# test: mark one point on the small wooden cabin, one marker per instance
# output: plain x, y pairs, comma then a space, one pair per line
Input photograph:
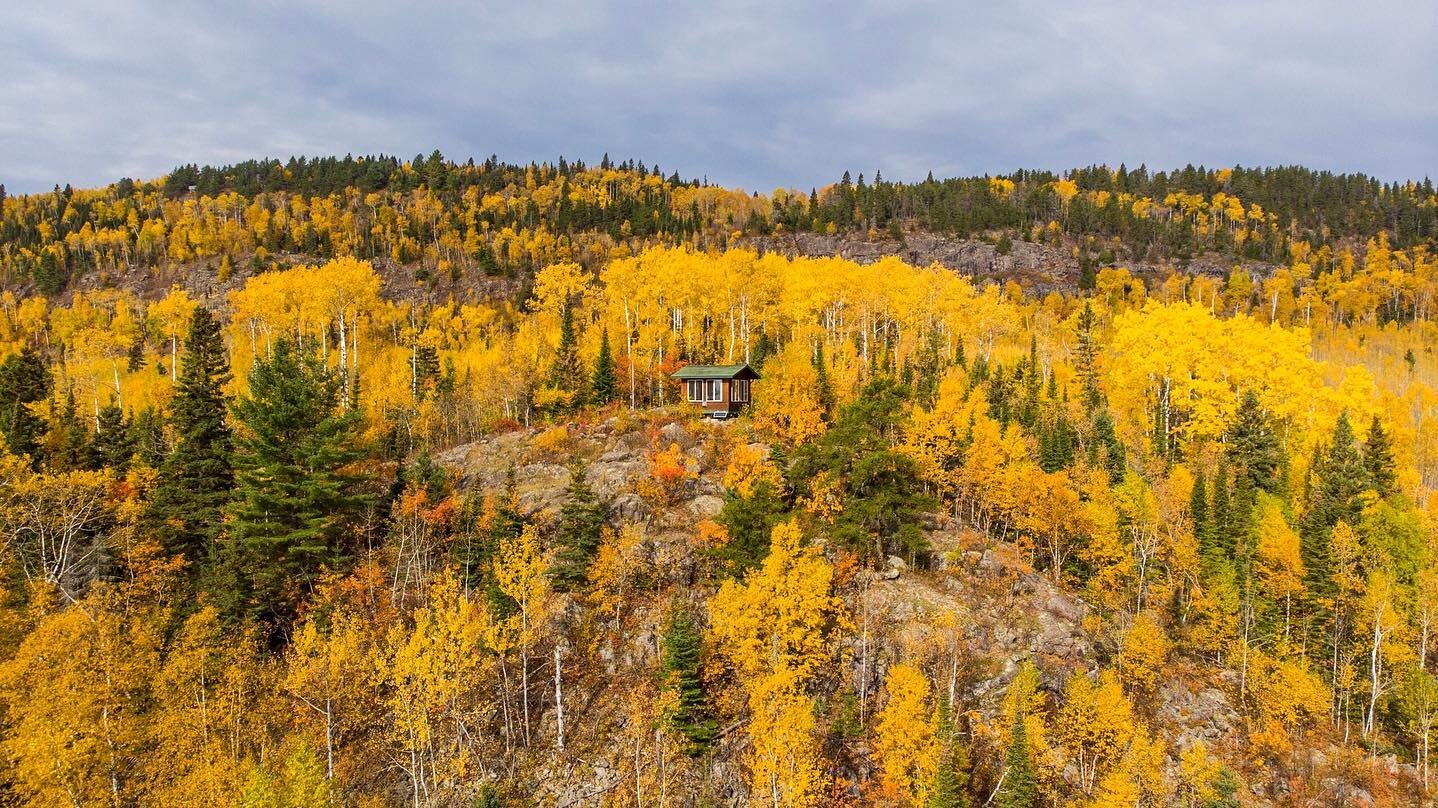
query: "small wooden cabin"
722, 390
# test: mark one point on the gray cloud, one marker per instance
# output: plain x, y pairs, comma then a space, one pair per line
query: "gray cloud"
751, 94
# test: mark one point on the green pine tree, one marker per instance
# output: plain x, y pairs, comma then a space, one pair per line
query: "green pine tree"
147, 435
1378, 460
567, 373
24, 381
1335, 494
295, 497
196, 478
581, 526
1087, 360
951, 781
1254, 448
693, 718
603, 388
74, 449
1106, 440
1020, 784
824, 391
1221, 518
114, 445
1208, 551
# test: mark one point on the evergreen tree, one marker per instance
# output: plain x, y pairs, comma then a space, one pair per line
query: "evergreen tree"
24, 381
73, 451
1220, 513
1254, 448
581, 527
749, 521
196, 478
951, 780
603, 388
147, 435
567, 373
114, 445
693, 718
475, 549
1020, 786
1203, 532
1335, 494
294, 496
1378, 460
884, 501
1107, 450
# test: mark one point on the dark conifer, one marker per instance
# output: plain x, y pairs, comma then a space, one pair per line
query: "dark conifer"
24, 381
1253, 446
581, 527
196, 478
693, 716
295, 496
1378, 460
603, 388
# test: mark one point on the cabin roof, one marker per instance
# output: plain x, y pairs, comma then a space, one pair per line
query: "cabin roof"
741, 370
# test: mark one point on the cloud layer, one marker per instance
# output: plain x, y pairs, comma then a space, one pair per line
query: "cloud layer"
751, 94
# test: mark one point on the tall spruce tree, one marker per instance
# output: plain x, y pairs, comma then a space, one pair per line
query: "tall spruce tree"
196, 478
74, 449
951, 778
581, 527
603, 388
1221, 518
1020, 785
823, 389
567, 373
295, 497
1335, 495
24, 380
693, 717
1106, 442
114, 445
1087, 359
1378, 460
1253, 446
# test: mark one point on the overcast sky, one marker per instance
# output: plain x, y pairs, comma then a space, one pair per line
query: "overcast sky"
754, 94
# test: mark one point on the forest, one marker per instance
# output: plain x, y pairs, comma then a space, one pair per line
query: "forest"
276, 532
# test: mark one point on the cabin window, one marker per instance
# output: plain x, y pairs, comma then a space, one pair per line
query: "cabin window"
705, 390
739, 394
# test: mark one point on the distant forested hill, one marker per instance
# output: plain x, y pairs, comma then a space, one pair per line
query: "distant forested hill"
463, 222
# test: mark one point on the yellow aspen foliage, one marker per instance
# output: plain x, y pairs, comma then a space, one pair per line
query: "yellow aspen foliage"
208, 713
618, 565
786, 400
749, 465
1279, 563
300, 782
1199, 771
905, 742
1285, 697
327, 675
785, 764
1138, 779
783, 618
1144, 652
825, 500
74, 697
433, 674
1094, 725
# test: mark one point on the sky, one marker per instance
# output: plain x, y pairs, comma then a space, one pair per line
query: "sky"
751, 94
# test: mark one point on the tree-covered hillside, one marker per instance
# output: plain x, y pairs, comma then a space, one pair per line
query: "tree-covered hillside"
464, 222
1161, 538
